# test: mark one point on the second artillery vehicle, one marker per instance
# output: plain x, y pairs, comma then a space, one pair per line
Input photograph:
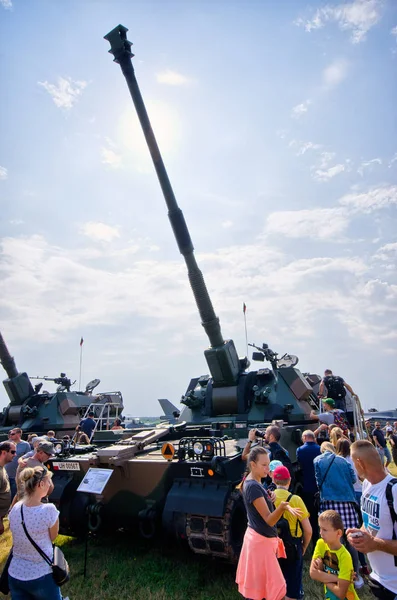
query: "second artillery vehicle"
33, 409
181, 478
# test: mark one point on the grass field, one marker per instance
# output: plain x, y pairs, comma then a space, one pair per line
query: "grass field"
126, 567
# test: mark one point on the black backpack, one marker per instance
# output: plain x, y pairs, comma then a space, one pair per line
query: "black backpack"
284, 532
335, 387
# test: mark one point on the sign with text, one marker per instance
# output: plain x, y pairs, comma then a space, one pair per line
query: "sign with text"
95, 480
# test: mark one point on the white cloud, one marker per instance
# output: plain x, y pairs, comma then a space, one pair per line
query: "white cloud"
170, 77
100, 231
227, 224
110, 157
318, 223
300, 109
368, 165
3, 173
376, 198
6, 4
393, 160
357, 17
387, 252
394, 31
335, 73
303, 147
324, 172
66, 93
327, 174
110, 154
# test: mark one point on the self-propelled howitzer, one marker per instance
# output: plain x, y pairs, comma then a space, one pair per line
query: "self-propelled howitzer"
32, 409
280, 393
182, 477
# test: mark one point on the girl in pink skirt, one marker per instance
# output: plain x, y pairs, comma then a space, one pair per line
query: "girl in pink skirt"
258, 573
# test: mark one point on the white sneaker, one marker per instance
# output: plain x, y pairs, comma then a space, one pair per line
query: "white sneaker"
359, 582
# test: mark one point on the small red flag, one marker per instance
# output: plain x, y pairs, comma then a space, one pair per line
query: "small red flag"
81, 341
244, 307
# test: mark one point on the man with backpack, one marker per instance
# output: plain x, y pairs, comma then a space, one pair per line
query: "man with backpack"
295, 532
331, 415
378, 535
334, 386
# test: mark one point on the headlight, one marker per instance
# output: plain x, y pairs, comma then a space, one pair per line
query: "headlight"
198, 448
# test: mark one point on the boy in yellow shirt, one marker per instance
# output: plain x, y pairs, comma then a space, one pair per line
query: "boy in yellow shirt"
331, 563
298, 536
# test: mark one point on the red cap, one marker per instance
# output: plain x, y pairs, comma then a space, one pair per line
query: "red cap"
281, 474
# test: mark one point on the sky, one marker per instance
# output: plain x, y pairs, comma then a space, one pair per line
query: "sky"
277, 124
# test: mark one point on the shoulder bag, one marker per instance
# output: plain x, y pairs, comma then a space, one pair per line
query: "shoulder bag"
59, 565
317, 495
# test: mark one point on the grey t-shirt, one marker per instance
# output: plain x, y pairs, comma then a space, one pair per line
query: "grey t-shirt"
328, 417
11, 467
251, 491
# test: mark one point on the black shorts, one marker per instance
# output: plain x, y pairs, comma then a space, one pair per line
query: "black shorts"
350, 418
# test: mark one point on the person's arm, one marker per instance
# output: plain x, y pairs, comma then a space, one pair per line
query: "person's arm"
321, 428
314, 416
348, 387
307, 533
366, 543
339, 588
271, 518
318, 574
248, 445
321, 390
54, 530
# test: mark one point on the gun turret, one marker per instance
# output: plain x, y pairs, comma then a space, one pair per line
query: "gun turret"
18, 386
222, 358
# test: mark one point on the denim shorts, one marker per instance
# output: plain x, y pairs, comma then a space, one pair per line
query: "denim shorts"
43, 588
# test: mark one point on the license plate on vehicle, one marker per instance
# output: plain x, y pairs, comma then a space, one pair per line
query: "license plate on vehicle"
66, 466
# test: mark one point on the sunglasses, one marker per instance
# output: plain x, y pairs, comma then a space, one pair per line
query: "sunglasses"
13, 451
13, 433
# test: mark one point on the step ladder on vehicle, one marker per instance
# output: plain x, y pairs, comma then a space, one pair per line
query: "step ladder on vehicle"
104, 415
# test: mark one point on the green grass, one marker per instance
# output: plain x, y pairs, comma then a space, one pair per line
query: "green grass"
125, 566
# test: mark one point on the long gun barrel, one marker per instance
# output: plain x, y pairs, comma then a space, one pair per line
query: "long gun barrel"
224, 369
7, 360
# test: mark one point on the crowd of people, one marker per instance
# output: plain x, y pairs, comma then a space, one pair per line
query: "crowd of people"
345, 504
25, 484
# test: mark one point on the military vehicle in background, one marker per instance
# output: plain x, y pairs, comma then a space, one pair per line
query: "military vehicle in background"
181, 478
32, 409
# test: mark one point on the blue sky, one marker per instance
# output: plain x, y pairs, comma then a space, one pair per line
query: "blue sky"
277, 124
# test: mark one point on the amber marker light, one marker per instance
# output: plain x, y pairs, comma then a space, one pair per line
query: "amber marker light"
210, 472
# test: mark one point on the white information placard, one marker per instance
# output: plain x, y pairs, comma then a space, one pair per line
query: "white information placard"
95, 480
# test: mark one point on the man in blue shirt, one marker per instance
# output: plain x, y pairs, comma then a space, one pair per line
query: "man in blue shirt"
88, 424
305, 456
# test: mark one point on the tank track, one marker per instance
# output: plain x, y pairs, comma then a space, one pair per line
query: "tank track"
219, 537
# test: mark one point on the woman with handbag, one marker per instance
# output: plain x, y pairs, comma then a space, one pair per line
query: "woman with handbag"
258, 572
30, 576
